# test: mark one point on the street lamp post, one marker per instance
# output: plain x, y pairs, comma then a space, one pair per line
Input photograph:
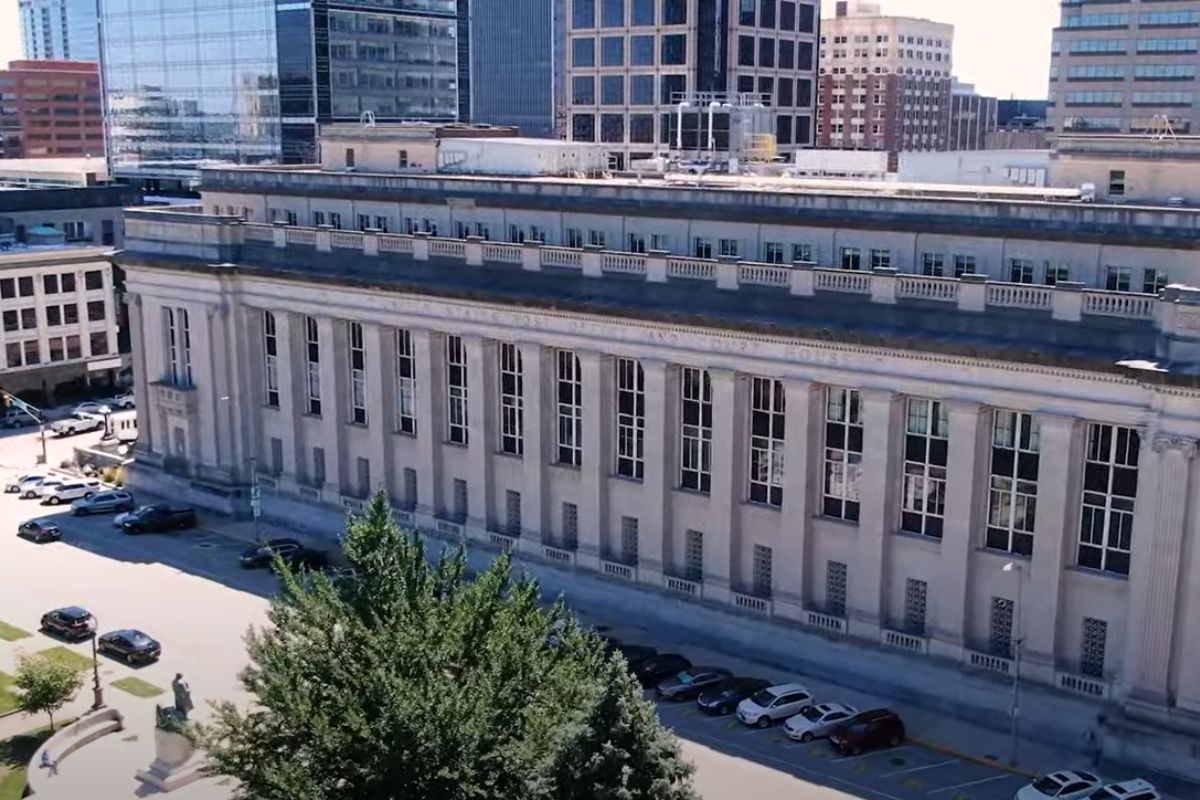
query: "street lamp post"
97, 690
1013, 566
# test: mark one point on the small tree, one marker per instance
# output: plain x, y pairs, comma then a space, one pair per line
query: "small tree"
46, 685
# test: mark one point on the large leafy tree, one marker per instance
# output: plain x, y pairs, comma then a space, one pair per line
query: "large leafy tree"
47, 684
413, 681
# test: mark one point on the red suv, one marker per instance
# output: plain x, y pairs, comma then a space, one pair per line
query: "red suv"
868, 729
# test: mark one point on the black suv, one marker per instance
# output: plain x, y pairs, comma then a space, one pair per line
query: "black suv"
159, 517
291, 551
72, 623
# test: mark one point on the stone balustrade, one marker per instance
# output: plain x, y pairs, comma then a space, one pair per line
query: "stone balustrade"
974, 293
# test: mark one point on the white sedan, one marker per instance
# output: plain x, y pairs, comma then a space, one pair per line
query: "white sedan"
17, 485
1065, 785
815, 722
122, 400
91, 407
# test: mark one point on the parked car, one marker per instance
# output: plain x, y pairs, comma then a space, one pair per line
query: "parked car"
634, 654
123, 400
868, 729
40, 531
1065, 785
77, 423
90, 407
14, 486
103, 503
687, 684
1136, 789
131, 646
70, 622
39, 488
650, 671
69, 490
723, 697
289, 549
773, 703
817, 722
16, 418
159, 517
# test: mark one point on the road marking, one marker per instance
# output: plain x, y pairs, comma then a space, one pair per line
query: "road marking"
969, 783
869, 755
918, 769
789, 766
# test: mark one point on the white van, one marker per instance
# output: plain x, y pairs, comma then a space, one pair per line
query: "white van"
70, 490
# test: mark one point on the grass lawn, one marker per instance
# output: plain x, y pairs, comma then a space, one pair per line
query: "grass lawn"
8, 697
11, 633
137, 687
67, 656
14, 757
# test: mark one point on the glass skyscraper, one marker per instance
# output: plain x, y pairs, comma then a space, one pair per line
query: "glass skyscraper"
194, 82
59, 29
516, 60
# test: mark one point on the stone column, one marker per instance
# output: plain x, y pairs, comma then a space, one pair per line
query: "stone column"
428, 354
536, 371
596, 375
150, 438
1187, 655
379, 421
480, 354
1161, 508
1059, 463
655, 522
290, 368
802, 442
335, 394
966, 484
721, 535
877, 510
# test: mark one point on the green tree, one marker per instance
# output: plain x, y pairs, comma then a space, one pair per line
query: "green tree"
413, 681
46, 684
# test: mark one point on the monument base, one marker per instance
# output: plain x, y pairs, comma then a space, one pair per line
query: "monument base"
177, 763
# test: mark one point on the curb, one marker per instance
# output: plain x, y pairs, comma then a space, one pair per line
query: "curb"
986, 762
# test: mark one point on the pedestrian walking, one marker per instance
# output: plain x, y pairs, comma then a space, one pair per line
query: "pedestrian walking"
1094, 741
48, 763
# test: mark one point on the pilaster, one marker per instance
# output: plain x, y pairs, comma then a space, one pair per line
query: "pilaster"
1161, 507
655, 522
964, 473
595, 374
721, 537
536, 370
480, 354
379, 420
149, 436
289, 369
876, 490
1058, 496
428, 354
802, 439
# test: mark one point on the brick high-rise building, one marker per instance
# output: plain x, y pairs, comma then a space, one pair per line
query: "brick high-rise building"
51, 108
884, 81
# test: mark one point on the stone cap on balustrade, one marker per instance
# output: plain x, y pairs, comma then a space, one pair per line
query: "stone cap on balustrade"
971, 315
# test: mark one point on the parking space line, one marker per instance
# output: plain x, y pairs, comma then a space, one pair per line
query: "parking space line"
947, 762
869, 755
969, 783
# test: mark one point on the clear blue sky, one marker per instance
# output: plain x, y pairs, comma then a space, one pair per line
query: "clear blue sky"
1001, 47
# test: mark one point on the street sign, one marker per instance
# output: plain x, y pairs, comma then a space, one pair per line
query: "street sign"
256, 501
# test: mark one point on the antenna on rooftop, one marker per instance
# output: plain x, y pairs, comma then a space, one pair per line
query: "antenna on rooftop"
367, 119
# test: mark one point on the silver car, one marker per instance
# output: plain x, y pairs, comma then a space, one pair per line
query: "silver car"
103, 503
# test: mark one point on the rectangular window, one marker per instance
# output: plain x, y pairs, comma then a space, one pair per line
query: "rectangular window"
881, 259
50, 283
32, 353
363, 466
702, 247
915, 604
597, 238
1118, 279
98, 342
1056, 274
276, 456
456, 390
70, 314
762, 571
933, 264
695, 468
1020, 270
964, 265
843, 453
312, 361
1153, 280
318, 218
1110, 476
95, 310
569, 402
1116, 183
364, 221
1012, 494
851, 258
335, 220
729, 248
406, 383
410, 488
835, 588
803, 253
574, 237
512, 400
179, 347
93, 280
570, 526
460, 500
773, 252
637, 243
1000, 627
29, 318
270, 359
358, 374
693, 555
925, 451
631, 418
629, 540
1093, 645
56, 348
766, 441
512, 512
318, 454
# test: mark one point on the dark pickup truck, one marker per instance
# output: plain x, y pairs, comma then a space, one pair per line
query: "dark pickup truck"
159, 517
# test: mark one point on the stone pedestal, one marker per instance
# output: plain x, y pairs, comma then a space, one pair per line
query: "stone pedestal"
177, 762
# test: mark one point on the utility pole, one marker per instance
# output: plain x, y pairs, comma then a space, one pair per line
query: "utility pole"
10, 400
